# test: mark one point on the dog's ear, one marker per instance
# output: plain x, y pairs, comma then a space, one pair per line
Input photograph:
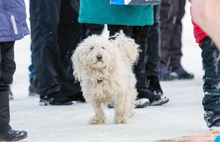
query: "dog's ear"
128, 46
77, 64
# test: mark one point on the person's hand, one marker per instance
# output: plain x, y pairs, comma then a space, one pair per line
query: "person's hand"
206, 13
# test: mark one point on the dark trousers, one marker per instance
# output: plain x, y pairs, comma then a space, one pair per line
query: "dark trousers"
211, 103
171, 14
55, 33
7, 69
140, 35
153, 46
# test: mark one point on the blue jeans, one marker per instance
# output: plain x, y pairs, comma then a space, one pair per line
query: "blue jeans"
211, 103
31, 67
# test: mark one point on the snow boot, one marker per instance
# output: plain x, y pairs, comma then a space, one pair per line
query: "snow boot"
154, 85
180, 73
54, 99
13, 135
155, 99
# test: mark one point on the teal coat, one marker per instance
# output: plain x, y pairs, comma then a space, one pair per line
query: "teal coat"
101, 12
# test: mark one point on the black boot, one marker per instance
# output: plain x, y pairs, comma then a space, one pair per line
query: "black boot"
180, 73
78, 97
13, 135
55, 99
154, 85
154, 99
165, 75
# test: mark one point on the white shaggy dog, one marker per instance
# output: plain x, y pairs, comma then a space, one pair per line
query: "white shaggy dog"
104, 69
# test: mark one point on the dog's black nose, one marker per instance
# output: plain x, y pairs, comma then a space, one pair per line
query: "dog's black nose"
99, 57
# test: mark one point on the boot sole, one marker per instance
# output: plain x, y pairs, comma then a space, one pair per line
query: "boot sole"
46, 103
159, 103
15, 139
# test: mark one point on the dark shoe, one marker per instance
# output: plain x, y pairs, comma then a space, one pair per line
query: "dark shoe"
165, 75
13, 135
78, 97
10, 94
154, 85
32, 87
55, 99
142, 102
161, 101
215, 126
180, 73
155, 99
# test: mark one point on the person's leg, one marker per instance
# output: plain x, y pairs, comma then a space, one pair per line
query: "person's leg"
90, 29
45, 17
69, 32
31, 67
176, 45
153, 45
141, 35
176, 38
4, 111
211, 104
153, 54
69, 35
32, 76
7, 69
168, 14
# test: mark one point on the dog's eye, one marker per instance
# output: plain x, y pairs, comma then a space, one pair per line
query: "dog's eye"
103, 47
91, 48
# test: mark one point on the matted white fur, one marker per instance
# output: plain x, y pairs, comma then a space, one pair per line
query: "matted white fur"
104, 69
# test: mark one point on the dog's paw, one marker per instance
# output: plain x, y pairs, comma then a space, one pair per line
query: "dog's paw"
97, 121
121, 121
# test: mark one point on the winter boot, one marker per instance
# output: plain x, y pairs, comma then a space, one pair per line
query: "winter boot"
180, 73
13, 135
54, 99
215, 126
78, 97
142, 102
165, 75
154, 85
155, 99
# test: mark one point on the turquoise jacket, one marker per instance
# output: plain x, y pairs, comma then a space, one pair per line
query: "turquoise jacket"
101, 12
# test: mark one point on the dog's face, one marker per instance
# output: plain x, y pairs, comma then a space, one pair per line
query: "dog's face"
96, 51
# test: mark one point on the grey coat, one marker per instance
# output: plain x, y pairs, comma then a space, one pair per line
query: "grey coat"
13, 24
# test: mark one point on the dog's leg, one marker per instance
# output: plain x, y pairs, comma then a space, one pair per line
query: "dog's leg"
99, 117
133, 94
121, 110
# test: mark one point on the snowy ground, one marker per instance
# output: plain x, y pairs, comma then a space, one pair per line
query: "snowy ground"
183, 115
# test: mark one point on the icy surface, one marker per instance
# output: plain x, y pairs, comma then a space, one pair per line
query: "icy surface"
183, 115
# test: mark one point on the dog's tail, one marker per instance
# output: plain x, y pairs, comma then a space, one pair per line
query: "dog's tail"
127, 45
